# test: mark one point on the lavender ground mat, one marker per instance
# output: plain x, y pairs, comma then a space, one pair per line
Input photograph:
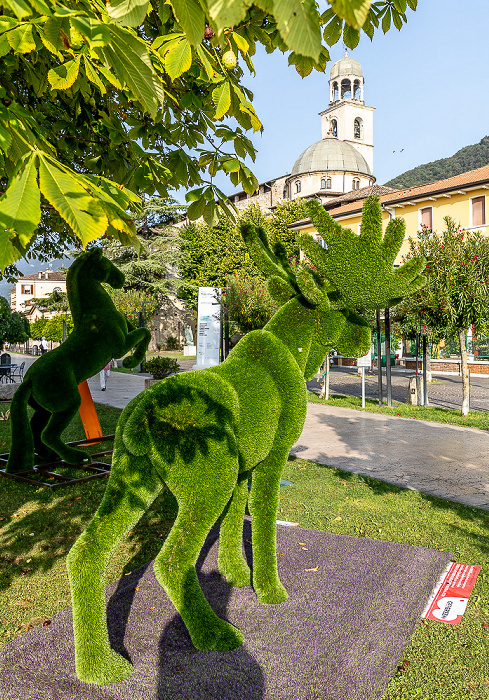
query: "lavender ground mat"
339, 636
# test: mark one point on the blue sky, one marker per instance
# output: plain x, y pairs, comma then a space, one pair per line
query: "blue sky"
428, 84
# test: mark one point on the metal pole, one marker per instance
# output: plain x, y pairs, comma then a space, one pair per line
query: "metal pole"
417, 353
425, 374
363, 387
388, 357
221, 332
141, 324
468, 372
379, 360
226, 331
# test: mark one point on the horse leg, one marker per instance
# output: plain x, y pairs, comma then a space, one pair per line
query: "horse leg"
263, 505
132, 487
51, 435
39, 421
230, 560
202, 496
139, 340
21, 457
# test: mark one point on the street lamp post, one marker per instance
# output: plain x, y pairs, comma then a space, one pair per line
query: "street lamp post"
388, 357
379, 358
141, 324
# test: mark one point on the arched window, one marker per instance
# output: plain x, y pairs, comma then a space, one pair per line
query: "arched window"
356, 90
345, 89
358, 128
323, 184
298, 186
328, 183
335, 91
334, 128
356, 184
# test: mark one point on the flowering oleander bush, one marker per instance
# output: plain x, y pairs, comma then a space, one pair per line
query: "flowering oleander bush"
249, 303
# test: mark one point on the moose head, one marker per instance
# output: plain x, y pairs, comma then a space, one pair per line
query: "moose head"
353, 273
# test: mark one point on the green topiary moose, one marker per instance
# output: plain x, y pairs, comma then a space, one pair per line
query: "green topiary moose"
50, 385
204, 433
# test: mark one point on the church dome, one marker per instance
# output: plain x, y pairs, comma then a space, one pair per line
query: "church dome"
328, 155
345, 66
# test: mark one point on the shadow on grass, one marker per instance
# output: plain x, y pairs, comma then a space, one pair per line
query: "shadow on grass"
39, 526
465, 520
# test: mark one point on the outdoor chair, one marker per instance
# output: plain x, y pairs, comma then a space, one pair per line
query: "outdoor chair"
17, 371
5, 359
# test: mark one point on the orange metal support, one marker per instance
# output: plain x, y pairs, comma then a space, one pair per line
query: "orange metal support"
88, 414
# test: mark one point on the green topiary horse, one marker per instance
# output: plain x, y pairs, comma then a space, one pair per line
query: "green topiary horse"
204, 433
50, 385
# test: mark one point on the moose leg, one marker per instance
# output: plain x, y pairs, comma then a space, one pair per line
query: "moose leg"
230, 560
263, 504
213, 479
129, 493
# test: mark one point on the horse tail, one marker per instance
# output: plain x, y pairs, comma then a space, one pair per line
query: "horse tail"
21, 455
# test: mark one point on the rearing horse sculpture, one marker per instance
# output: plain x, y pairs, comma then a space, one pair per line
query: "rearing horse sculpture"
50, 385
204, 433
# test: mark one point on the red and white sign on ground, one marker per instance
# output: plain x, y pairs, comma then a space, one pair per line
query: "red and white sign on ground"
449, 599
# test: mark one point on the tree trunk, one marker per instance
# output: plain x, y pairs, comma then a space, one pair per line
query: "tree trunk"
324, 391
465, 372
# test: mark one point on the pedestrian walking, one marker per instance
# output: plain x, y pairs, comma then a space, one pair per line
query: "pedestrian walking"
43, 345
104, 373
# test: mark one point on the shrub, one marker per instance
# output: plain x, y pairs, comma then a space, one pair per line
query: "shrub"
250, 306
161, 367
37, 328
53, 330
171, 343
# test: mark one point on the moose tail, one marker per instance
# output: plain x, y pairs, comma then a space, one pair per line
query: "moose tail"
21, 455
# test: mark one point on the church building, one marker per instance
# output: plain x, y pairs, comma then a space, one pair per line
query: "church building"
342, 161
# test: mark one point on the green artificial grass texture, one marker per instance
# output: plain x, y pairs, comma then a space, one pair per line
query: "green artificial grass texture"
443, 662
204, 433
50, 385
475, 419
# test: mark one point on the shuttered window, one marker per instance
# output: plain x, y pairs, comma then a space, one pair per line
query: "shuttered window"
478, 211
426, 217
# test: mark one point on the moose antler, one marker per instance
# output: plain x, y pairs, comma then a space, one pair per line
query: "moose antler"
283, 282
361, 267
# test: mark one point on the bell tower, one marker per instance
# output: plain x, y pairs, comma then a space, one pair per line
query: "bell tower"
348, 118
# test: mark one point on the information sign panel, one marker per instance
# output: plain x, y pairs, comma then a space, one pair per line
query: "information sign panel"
208, 327
365, 360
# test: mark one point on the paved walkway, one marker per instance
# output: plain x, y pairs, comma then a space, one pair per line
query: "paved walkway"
447, 461
442, 460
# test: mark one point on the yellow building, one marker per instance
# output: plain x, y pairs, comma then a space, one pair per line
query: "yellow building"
463, 197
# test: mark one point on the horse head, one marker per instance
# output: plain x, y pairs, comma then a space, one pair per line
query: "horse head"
102, 269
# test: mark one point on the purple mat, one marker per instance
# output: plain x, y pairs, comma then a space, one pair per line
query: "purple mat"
339, 636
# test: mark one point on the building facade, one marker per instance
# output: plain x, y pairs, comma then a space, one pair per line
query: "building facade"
462, 197
36, 286
341, 161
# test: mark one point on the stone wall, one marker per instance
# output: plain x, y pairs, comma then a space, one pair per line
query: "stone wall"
170, 320
450, 366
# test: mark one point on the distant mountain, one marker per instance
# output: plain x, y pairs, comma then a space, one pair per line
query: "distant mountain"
468, 158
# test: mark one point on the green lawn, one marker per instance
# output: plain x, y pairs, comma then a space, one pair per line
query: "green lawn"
444, 662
